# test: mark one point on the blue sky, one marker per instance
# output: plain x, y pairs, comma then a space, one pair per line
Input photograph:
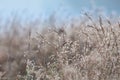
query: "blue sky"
44, 8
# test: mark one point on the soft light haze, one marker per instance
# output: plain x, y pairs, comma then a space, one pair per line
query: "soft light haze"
35, 8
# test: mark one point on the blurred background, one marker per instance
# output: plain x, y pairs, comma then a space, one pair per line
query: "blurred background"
30, 9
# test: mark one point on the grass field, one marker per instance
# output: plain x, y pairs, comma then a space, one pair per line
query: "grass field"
82, 49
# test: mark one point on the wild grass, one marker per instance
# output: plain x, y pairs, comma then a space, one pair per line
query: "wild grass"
81, 50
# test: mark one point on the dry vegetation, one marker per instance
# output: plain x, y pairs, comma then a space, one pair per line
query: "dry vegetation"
87, 49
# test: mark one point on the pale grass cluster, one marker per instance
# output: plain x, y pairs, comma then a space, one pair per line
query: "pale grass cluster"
80, 50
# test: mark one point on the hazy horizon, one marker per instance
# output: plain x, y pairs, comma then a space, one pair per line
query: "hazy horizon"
34, 8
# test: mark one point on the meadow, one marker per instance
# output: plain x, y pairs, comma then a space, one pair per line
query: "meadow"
79, 49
